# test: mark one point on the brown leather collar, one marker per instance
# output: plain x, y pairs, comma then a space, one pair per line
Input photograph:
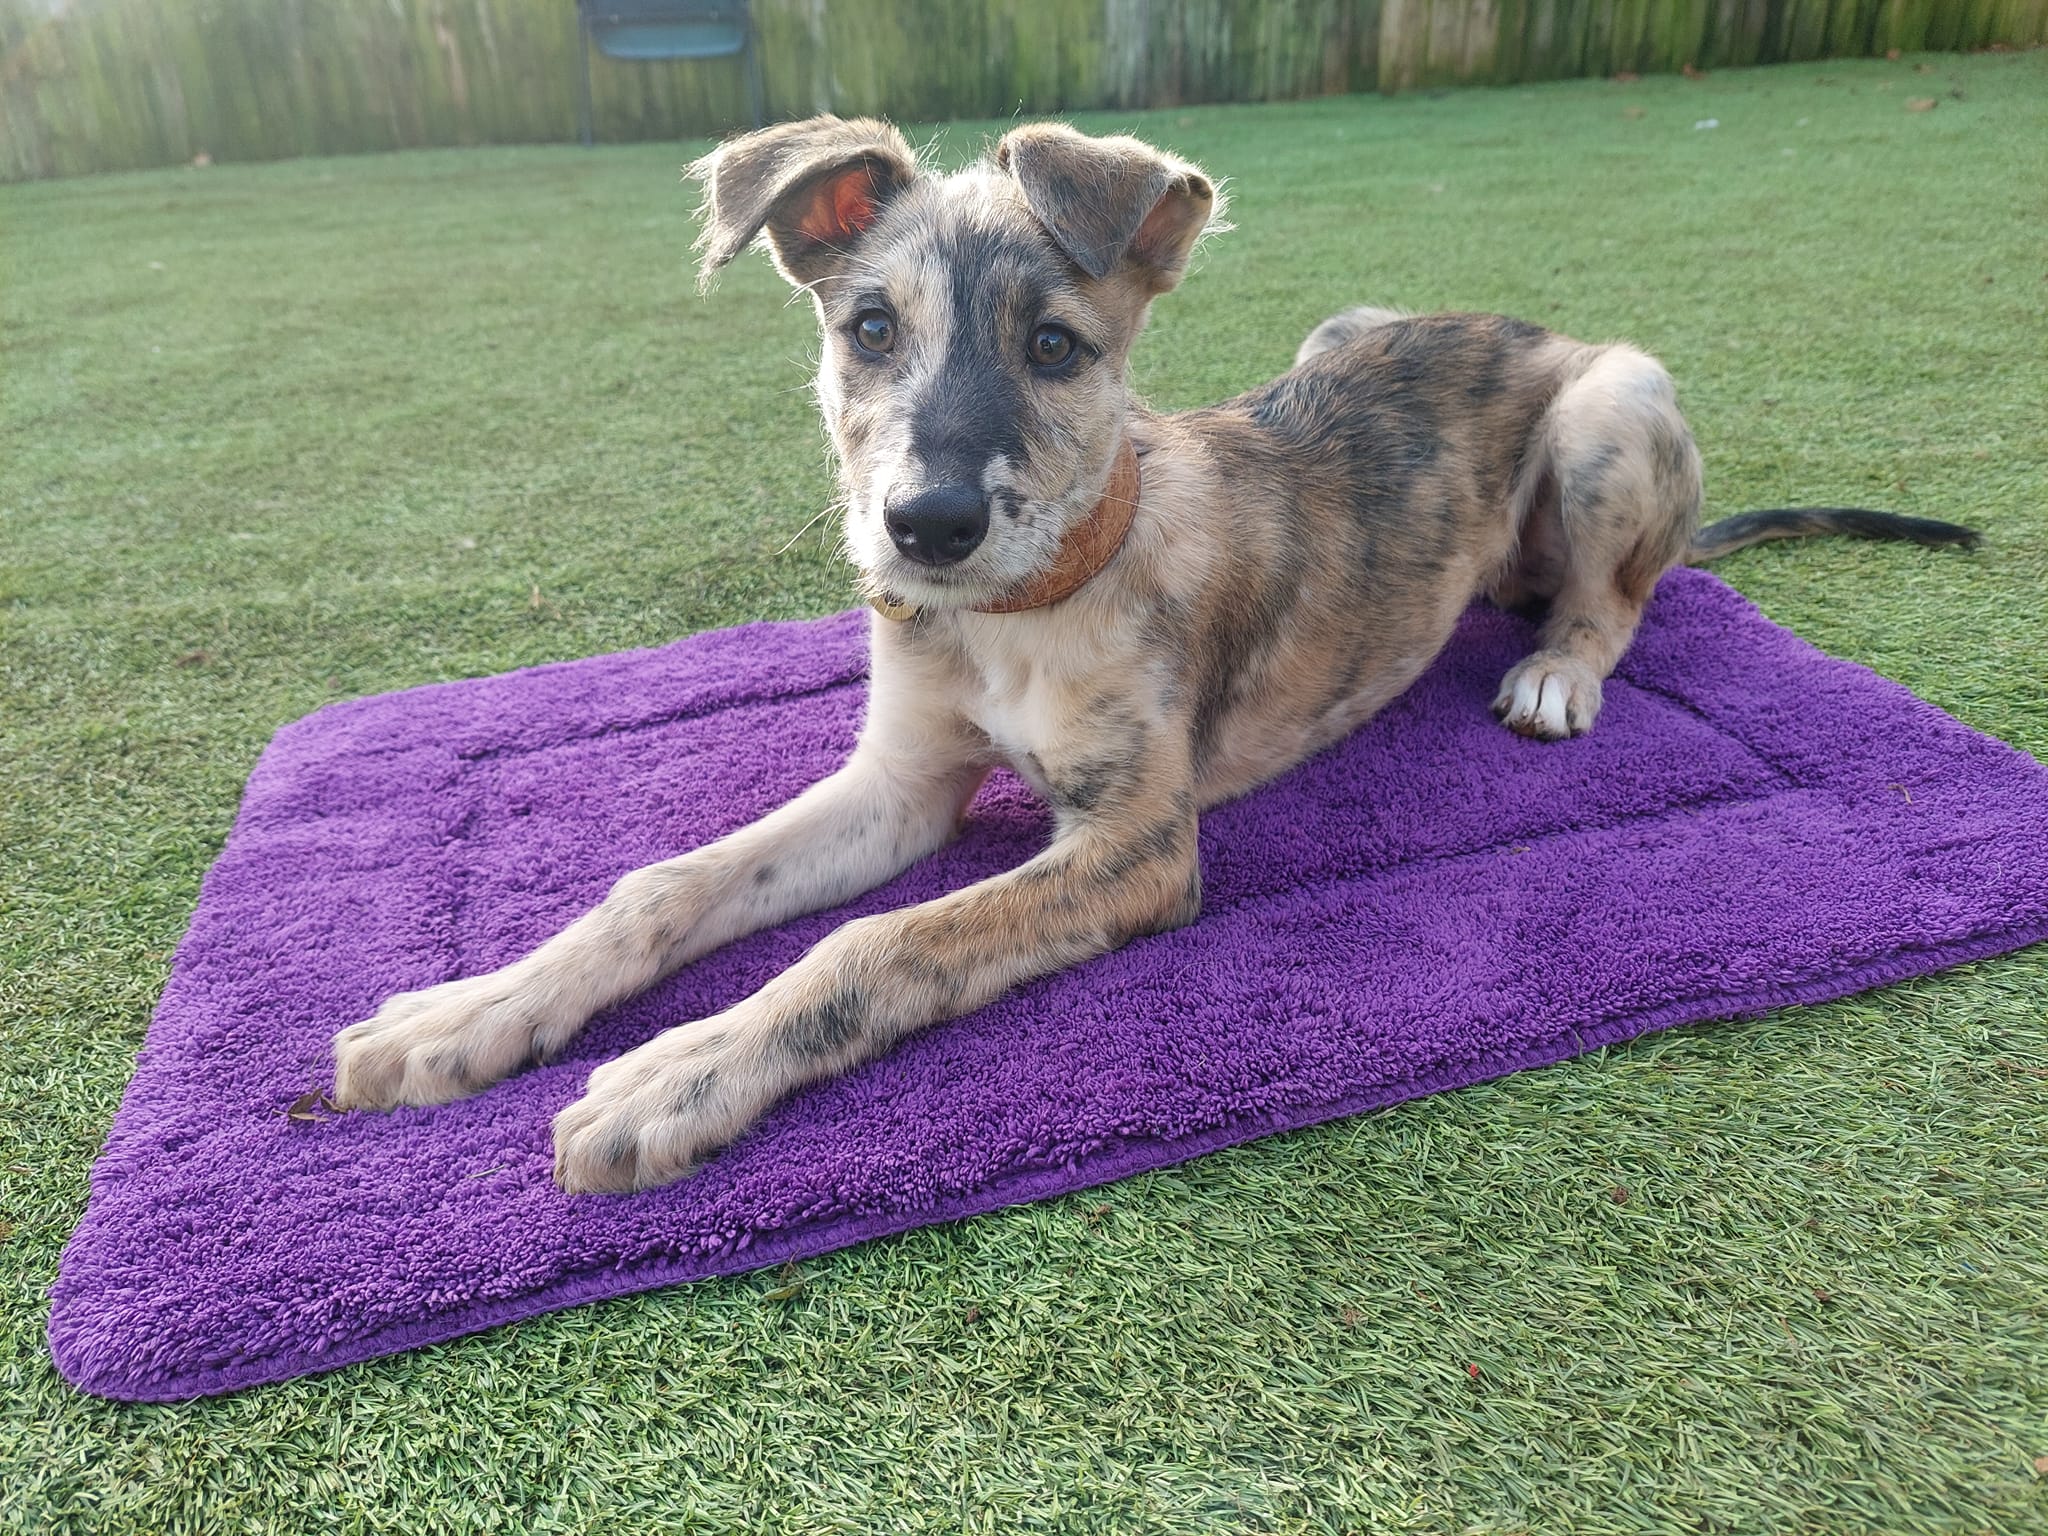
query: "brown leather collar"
1089, 545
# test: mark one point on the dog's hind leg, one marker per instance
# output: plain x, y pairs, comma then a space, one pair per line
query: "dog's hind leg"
1613, 497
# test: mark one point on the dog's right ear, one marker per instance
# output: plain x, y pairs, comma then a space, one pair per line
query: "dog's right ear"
813, 186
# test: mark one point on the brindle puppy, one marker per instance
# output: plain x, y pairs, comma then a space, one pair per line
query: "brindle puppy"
1271, 572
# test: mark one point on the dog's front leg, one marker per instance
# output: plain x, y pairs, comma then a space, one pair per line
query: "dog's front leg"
651, 1115
897, 799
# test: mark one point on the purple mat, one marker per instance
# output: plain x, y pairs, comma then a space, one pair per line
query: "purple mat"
1431, 903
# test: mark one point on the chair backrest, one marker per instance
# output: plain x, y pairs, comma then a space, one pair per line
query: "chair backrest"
666, 29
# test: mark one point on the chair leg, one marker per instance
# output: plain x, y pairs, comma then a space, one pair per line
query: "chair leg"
753, 61
583, 90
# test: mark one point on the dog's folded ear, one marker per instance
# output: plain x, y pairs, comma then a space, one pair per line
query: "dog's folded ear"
1112, 202
814, 186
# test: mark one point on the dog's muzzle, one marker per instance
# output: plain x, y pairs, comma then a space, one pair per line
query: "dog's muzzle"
939, 526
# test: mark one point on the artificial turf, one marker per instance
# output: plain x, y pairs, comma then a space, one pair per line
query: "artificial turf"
277, 435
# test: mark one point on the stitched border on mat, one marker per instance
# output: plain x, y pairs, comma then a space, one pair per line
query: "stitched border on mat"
460, 882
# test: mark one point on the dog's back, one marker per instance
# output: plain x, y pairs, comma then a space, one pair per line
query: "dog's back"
1403, 466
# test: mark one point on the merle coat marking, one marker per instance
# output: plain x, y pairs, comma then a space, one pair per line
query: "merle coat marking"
1298, 556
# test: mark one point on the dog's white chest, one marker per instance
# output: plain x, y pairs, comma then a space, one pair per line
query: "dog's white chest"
1021, 719
1038, 685
1025, 709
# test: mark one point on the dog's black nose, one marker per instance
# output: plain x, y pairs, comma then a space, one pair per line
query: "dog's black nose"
939, 526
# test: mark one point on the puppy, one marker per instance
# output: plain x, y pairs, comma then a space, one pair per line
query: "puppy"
1140, 614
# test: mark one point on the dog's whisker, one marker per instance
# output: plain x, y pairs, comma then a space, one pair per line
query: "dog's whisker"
811, 522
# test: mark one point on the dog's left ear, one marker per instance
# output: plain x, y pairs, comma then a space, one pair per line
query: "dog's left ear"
1113, 202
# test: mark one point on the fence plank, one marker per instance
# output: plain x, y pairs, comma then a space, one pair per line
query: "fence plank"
1687, 25
120, 83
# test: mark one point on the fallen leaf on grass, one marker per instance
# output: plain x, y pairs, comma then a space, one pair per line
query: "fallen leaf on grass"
311, 1108
1922, 104
1632, 113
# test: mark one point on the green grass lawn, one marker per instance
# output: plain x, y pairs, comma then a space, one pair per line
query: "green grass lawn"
277, 435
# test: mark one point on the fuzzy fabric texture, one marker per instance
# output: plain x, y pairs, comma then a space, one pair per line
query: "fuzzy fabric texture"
1428, 904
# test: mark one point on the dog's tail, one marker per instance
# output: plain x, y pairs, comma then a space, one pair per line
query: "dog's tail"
1733, 533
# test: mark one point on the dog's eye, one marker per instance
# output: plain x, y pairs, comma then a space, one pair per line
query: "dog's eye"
1051, 345
874, 331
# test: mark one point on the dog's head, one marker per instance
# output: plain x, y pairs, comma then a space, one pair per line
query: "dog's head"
976, 327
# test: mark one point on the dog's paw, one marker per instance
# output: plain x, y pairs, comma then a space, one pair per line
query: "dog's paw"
1548, 696
440, 1044
651, 1116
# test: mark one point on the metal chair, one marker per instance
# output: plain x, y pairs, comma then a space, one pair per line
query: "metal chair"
667, 29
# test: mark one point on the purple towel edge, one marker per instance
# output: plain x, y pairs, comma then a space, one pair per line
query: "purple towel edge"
1034, 1184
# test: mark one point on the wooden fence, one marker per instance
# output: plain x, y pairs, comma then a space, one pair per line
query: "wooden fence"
96, 85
